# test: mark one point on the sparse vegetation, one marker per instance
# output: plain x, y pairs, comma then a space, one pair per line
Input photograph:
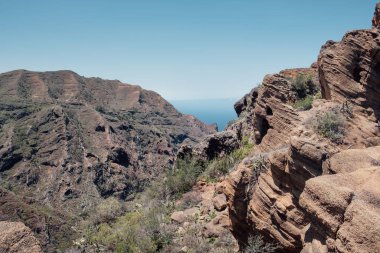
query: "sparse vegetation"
221, 166
100, 109
143, 228
330, 125
184, 176
23, 141
347, 109
187, 171
23, 89
55, 90
256, 244
147, 227
318, 95
107, 211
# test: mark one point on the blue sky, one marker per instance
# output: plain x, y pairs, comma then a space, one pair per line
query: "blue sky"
183, 49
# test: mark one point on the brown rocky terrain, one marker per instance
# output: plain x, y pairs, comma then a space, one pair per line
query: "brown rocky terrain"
67, 142
15, 237
301, 187
299, 168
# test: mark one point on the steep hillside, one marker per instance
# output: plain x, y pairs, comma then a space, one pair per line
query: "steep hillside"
67, 142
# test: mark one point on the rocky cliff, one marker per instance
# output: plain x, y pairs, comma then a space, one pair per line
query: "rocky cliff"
67, 141
310, 183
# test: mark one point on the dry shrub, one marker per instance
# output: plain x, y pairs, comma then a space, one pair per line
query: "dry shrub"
330, 124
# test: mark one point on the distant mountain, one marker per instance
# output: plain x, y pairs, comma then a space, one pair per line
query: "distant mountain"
67, 141
210, 111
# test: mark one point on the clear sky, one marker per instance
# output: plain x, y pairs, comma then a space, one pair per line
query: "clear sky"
183, 49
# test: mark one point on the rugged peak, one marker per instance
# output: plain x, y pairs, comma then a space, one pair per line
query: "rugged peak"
376, 16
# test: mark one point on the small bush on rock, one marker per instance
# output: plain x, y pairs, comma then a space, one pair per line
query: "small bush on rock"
330, 125
304, 85
305, 90
304, 104
256, 244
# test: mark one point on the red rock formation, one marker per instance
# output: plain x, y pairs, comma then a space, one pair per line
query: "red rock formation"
348, 70
311, 194
344, 207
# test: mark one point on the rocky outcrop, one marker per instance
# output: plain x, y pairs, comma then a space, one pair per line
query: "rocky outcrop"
344, 208
213, 146
349, 71
266, 200
15, 237
297, 187
376, 16
53, 228
265, 115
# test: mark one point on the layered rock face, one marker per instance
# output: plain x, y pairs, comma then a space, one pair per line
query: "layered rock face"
298, 188
265, 114
349, 70
344, 208
67, 141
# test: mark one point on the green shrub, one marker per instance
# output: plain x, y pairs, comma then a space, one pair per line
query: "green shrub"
304, 85
244, 150
221, 166
330, 125
218, 167
305, 90
304, 104
185, 174
123, 235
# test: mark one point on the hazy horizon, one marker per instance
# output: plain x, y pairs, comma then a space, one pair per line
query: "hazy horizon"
182, 50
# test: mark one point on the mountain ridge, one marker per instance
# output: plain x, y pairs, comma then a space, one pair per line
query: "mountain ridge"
68, 142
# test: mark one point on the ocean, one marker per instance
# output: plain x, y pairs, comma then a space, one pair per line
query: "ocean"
210, 111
